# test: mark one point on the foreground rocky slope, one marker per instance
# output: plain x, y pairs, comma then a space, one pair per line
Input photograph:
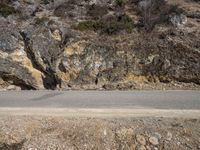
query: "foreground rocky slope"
38, 133
107, 44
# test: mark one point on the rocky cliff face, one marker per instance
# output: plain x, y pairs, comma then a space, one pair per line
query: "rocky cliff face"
107, 44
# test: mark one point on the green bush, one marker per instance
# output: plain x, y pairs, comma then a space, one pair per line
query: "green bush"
46, 1
111, 26
121, 3
6, 10
121, 22
88, 25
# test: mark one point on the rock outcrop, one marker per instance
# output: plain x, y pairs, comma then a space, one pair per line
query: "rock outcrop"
16, 68
107, 44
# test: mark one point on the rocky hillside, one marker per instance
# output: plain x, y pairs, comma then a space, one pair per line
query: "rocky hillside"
99, 44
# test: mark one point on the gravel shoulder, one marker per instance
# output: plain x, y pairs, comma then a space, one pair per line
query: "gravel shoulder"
61, 133
101, 112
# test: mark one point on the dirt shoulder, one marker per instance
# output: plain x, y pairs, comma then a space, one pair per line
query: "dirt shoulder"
61, 133
102, 112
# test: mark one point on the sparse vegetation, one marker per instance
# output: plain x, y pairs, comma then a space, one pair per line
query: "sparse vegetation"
154, 12
96, 11
121, 22
46, 1
121, 3
88, 25
64, 9
6, 10
41, 21
111, 26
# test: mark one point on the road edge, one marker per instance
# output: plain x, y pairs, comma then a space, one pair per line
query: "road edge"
99, 113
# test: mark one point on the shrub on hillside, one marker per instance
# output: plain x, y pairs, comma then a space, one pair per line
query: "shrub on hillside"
121, 3
46, 1
6, 10
154, 12
107, 26
96, 11
118, 23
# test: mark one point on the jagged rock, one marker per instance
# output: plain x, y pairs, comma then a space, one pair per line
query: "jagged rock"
16, 67
44, 47
178, 20
86, 63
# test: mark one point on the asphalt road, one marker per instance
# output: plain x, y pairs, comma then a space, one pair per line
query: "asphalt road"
102, 99
102, 103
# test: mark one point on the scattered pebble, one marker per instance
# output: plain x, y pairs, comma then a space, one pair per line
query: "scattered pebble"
148, 148
169, 136
140, 139
141, 148
153, 140
157, 135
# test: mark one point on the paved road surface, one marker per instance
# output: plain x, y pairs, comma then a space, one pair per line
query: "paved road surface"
175, 103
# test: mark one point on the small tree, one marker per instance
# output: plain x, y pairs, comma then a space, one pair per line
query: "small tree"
148, 9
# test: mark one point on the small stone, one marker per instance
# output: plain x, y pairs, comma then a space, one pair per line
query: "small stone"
11, 87
105, 132
148, 148
153, 140
157, 135
141, 139
141, 148
133, 146
32, 149
178, 20
169, 136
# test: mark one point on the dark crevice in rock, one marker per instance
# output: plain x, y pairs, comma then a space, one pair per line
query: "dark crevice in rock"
50, 81
184, 80
30, 54
16, 81
96, 81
